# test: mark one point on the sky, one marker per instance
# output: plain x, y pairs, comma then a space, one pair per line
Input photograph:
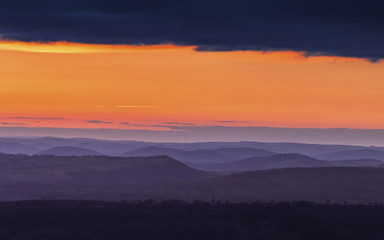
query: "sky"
182, 66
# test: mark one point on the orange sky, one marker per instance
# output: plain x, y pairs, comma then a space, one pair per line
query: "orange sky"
152, 85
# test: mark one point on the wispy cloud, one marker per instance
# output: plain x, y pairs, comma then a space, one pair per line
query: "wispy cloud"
148, 125
15, 124
226, 121
133, 106
38, 118
180, 123
230, 121
152, 126
167, 125
98, 122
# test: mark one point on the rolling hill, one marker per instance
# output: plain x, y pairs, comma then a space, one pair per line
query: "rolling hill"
69, 151
152, 151
16, 148
116, 148
288, 160
357, 163
354, 154
100, 170
277, 161
137, 170
201, 155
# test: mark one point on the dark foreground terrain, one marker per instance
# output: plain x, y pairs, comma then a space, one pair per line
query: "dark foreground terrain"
104, 178
142, 220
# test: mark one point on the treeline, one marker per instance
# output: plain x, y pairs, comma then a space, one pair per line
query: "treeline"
142, 220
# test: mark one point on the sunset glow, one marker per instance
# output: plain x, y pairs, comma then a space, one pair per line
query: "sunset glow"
108, 86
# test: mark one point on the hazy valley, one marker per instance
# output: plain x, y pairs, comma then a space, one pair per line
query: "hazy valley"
55, 168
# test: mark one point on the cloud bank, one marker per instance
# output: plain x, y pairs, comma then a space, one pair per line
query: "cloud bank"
350, 28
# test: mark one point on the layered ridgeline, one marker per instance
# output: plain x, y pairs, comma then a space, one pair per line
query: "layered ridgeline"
59, 168
129, 148
69, 151
211, 156
201, 155
287, 160
10, 147
354, 154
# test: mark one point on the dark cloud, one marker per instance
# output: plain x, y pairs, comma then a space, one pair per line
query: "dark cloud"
352, 28
125, 123
97, 121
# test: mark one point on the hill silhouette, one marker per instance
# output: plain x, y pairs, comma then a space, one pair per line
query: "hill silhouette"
354, 154
16, 148
117, 148
201, 155
100, 170
357, 163
137, 170
288, 160
69, 151
152, 151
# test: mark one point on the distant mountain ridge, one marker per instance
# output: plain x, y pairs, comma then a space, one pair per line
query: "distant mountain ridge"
152, 151
287, 160
69, 151
191, 153
16, 148
354, 154
358, 163
200, 155
117, 148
